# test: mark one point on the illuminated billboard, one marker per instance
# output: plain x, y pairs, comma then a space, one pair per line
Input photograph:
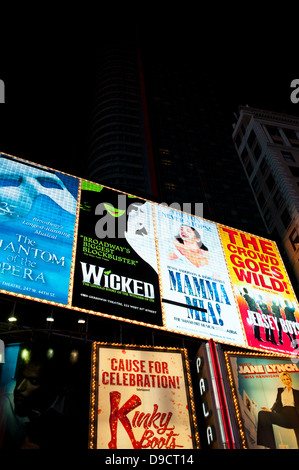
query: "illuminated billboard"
266, 396
141, 399
264, 294
87, 247
196, 291
38, 210
116, 271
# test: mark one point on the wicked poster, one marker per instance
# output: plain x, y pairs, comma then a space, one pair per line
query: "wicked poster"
116, 268
141, 399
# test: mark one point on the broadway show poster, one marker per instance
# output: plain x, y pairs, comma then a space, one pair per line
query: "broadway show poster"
266, 393
267, 303
37, 222
116, 268
197, 294
141, 399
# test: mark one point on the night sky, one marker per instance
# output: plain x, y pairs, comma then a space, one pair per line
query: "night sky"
47, 65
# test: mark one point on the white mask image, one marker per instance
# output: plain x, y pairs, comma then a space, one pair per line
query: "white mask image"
140, 232
21, 184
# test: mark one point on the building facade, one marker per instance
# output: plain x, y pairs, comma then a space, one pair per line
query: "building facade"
163, 131
119, 153
268, 146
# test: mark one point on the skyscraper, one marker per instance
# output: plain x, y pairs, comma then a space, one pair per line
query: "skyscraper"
160, 127
268, 146
119, 153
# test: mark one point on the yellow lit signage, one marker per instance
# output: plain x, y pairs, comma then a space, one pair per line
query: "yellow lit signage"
77, 244
141, 399
264, 295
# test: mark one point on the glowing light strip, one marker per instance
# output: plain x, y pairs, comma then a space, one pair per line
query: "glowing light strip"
221, 394
75, 239
118, 318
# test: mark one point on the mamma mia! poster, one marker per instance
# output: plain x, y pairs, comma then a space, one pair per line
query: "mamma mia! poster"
196, 290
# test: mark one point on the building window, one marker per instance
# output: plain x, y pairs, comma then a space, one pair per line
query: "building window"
169, 186
251, 138
292, 137
278, 199
238, 140
257, 151
245, 157
243, 128
254, 145
270, 182
294, 170
294, 239
268, 217
264, 166
249, 168
261, 200
288, 156
255, 184
164, 151
166, 162
286, 218
275, 134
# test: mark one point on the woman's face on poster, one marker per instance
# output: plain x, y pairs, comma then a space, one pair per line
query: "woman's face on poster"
187, 233
286, 380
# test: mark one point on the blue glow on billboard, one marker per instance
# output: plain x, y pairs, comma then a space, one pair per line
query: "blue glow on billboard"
37, 221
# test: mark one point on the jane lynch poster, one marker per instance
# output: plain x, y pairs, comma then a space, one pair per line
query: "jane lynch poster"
266, 392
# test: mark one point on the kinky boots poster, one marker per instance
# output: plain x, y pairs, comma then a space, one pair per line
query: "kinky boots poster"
141, 399
116, 267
